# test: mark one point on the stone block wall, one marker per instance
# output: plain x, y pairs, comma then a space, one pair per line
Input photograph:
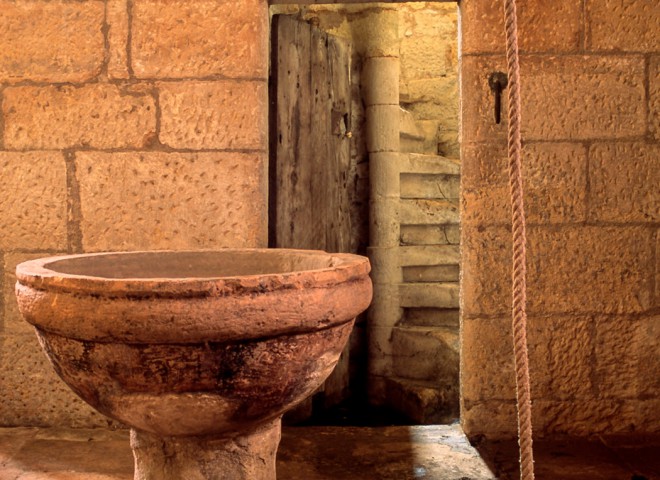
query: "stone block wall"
591, 160
124, 124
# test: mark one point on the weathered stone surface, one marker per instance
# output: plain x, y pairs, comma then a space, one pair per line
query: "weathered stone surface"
34, 203
428, 39
438, 295
561, 351
433, 273
250, 456
585, 417
654, 100
624, 180
305, 453
32, 394
429, 255
543, 27
487, 353
214, 115
179, 39
555, 181
430, 317
13, 322
426, 353
590, 269
618, 374
95, 115
493, 418
429, 186
117, 20
622, 25
162, 200
430, 235
588, 92
424, 403
55, 41
572, 269
428, 212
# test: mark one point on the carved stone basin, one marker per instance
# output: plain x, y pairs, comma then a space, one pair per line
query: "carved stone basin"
200, 353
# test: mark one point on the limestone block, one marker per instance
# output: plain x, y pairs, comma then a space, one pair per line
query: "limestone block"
571, 269
583, 417
33, 395
628, 25
429, 255
429, 186
380, 351
425, 403
380, 81
33, 205
619, 374
543, 26
385, 268
182, 39
428, 212
375, 32
430, 235
427, 56
441, 91
13, 322
426, 353
384, 174
384, 222
493, 419
158, 200
431, 317
564, 97
555, 182
487, 360
624, 179
214, 115
94, 115
561, 350
654, 100
385, 311
434, 273
436, 295
55, 41
117, 20
383, 134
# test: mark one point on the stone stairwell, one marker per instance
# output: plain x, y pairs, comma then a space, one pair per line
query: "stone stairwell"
425, 343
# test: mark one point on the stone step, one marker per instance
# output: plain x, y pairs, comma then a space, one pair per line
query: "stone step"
437, 294
428, 212
429, 255
428, 164
431, 273
424, 403
408, 127
431, 317
422, 185
430, 234
426, 353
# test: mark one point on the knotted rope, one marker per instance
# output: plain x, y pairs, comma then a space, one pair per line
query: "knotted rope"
519, 314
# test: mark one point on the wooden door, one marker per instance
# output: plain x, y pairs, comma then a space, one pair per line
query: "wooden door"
310, 181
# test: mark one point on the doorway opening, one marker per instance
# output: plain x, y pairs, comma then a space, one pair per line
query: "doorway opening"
365, 159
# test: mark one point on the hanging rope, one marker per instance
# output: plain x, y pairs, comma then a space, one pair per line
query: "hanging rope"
519, 314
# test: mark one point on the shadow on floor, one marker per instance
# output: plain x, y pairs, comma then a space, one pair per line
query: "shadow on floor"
569, 458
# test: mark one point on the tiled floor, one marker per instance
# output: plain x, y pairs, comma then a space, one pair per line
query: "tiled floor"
338, 453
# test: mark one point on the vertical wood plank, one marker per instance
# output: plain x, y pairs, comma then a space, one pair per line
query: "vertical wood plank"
310, 155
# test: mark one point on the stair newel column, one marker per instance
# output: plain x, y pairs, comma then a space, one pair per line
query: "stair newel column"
380, 90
